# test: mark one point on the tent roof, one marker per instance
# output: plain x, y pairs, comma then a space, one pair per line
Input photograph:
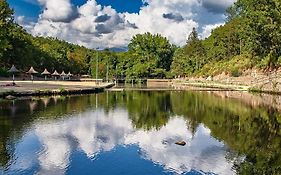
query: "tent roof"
32, 71
13, 69
46, 72
69, 74
63, 74
55, 73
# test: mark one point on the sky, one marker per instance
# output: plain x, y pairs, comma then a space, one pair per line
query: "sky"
113, 23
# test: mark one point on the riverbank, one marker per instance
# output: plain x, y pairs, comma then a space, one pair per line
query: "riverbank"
44, 88
250, 80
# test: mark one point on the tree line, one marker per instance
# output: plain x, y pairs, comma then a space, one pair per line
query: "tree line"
251, 37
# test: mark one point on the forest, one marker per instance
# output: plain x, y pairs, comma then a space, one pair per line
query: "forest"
250, 38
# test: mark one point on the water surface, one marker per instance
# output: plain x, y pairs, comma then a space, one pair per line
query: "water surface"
135, 133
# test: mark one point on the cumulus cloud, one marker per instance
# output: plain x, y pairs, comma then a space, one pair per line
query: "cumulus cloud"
102, 18
217, 6
90, 8
94, 25
207, 30
21, 20
58, 10
176, 17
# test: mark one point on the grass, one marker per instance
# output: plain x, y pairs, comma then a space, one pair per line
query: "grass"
62, 90
234, 66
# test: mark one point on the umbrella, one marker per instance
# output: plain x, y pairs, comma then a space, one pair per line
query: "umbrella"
46, 72
13, 70
55, 74
63, 74
31, 72
69, 75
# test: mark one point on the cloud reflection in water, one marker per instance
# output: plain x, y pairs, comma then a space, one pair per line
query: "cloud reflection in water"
93, 132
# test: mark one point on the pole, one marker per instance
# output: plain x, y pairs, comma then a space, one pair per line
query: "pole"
116, 76
107, 72
13, 78
97, 66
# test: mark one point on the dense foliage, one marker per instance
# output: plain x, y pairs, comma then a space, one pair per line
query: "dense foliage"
23, 50
251, 37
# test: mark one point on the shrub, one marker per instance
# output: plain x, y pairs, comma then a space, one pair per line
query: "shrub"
4, 72
235, 73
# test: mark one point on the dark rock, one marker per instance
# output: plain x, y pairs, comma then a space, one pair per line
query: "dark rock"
181, 143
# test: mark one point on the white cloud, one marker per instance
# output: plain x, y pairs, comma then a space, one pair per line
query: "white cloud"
57, 10
172, 19
90, 8
207, 29
94, 131
217, 6
150, 19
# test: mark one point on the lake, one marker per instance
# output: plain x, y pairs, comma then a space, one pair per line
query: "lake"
135, 132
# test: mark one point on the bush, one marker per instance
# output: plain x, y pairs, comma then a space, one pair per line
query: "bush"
4, 72
235, 73
232, 66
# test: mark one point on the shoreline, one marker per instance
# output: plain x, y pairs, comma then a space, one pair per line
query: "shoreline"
49, 88
62, 88
272, 87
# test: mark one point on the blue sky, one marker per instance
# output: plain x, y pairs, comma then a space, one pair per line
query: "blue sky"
31, 8
22, 7
112, 23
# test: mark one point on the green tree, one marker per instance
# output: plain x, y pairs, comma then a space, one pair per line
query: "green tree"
6, 20
261, 28
224, 43
151, 54
191, 57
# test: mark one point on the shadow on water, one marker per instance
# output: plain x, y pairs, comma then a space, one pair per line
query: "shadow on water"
251, 133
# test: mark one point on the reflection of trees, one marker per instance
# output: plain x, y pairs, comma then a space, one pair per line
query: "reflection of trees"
149, 110
17, 116
11, 127
253, 132
4, 156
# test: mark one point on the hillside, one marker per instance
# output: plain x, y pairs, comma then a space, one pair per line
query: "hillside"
250, 39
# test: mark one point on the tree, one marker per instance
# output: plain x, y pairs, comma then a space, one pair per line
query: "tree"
261, 28
191, 57
6, 20
152, 55
224, 43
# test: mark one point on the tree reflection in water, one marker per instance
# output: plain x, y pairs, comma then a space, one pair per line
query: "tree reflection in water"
244, 137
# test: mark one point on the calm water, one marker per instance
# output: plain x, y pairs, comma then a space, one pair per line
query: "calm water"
134, 133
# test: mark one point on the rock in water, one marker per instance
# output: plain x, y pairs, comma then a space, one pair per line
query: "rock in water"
181, 143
